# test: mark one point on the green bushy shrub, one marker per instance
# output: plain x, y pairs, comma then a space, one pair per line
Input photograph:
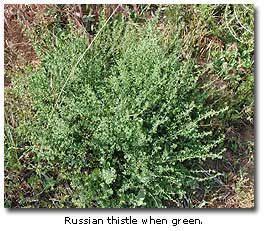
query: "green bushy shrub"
125, 128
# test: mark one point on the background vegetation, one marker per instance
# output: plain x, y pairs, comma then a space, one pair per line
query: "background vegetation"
129, 106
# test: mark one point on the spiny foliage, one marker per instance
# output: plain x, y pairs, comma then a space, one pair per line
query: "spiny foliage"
127, 120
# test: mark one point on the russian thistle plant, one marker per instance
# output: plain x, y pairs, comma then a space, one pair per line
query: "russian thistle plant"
131, 124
